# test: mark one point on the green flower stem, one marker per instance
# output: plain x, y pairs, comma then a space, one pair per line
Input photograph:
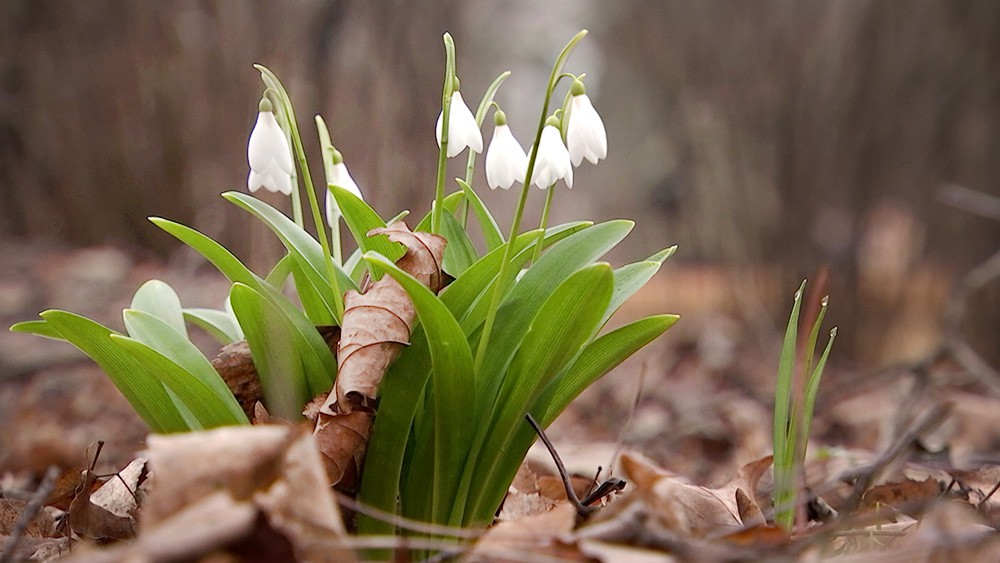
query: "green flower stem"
327, 150
500, 288
470, 163
272, 82
544, 222
449, 88
276, 99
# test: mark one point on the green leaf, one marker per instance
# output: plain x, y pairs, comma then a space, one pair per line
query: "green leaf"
280, 272
159, 299
143, 391
491, 231
449, 204
220, 324
521, 304
459, 253
784, 425
307, 253
175, 348
565, 322
270, 337
38, 328
469, 288
401, 395
360, 219
218, 255
451, 385
209, 408
631, 278
598, 358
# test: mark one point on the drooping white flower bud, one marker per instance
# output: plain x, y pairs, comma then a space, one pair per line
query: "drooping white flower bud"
585, 133
552, 162
463, 131
268, 153
506, 162
339, 177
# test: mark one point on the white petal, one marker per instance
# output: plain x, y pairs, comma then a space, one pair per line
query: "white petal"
463, 131
505, 160
269, 156
342, 178
552, 162
586, 136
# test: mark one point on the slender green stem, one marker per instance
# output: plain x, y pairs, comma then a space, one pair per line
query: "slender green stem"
327, 150
449, 88
544, 223
285, 121
470, 163
500, 287
272, 81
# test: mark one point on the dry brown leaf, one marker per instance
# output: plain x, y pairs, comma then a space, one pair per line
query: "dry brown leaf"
96, 522
685, 508
375, 330
276, 471
424, 253
41, 526
535, 535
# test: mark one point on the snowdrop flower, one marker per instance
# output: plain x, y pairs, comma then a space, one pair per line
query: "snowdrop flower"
463, 131
552, 162
585, 133
506, 162
268, 153
339, 176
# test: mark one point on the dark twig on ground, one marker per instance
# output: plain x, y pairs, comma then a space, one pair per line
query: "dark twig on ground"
30, 511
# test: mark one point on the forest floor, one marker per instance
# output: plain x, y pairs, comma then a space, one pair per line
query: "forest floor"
902, 464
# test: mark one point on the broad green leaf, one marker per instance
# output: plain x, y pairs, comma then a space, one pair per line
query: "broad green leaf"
305, 250
280, 272
360, 219
598, 358
561, 326
270, 337
220, 324
38, 328
177, 349
491, 231
209, 408
315, 306
451, 385
143, 391
631, 278
218, 255
521, 304
159, 299
812, 389
401, 395
449, 204
459, 253
468, 288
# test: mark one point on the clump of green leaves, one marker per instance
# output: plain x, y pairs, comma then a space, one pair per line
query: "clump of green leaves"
793, 412
519, 330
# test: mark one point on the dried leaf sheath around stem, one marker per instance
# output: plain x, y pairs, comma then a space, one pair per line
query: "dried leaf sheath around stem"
376, 328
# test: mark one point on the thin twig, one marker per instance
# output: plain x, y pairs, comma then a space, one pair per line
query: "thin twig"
582, 510
931, 419
30, 511
406, 523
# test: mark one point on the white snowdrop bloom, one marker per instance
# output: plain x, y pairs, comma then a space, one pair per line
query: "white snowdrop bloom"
585, 133
339, 177
268, 153
463, 131
506, 162
552, 162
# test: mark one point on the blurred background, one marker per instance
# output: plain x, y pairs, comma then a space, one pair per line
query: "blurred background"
768, 139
